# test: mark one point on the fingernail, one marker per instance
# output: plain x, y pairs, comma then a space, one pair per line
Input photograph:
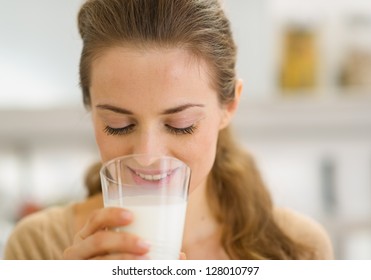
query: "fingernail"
182, 256
142, 244
126, 215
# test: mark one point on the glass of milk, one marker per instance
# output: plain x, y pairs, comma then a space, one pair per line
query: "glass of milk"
155, 190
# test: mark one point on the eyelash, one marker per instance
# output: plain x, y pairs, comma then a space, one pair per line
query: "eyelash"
181, 131
128, 129
119, 131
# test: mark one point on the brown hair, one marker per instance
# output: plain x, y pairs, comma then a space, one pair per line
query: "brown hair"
237, 195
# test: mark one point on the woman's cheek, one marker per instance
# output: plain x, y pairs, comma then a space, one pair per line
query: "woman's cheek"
107, 146
202, 156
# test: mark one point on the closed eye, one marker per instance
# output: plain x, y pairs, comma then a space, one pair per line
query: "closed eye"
119, 131
128, 129
181, 131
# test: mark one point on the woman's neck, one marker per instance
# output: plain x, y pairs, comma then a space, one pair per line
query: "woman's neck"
202, 234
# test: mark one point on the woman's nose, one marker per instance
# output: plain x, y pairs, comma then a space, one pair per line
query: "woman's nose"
148, 143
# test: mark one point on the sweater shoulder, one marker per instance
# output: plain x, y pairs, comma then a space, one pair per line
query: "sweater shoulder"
305, 230
41, 235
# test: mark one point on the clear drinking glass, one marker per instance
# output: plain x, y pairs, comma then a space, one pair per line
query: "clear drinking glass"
155, 190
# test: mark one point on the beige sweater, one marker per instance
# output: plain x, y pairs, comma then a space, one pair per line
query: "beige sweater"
41, 236
46, 234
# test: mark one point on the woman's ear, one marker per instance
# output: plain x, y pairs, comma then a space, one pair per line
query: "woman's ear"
230, 109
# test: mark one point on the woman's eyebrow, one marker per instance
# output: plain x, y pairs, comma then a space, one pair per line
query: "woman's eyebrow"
180, 108
114, 109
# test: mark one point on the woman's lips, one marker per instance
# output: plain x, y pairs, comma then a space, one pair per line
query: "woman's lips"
152, 177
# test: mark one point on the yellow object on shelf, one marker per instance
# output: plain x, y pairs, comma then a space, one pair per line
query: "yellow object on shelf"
299, 61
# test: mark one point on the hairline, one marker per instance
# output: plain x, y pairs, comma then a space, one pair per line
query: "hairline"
195, 56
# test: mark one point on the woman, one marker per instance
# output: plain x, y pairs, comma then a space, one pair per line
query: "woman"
159, 77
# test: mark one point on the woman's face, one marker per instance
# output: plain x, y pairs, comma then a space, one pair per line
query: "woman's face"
157, 101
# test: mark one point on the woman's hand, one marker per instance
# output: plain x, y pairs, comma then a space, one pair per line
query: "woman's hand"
182, 256
94, 241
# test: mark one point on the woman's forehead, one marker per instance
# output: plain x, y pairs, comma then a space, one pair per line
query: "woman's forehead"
164, 64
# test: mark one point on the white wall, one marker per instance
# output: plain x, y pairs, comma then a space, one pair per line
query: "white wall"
39, 53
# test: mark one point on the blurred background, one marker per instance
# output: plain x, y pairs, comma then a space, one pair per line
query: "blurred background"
305, 113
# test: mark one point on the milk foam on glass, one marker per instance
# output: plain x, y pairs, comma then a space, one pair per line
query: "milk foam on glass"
155, 190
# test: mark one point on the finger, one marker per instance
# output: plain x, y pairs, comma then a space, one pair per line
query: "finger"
107, 242
121, 257
105, 218
182, 256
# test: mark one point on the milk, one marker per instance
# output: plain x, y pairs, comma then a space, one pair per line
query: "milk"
158, 220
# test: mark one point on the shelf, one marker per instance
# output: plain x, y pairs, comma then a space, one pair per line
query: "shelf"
346, 117
46, 125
